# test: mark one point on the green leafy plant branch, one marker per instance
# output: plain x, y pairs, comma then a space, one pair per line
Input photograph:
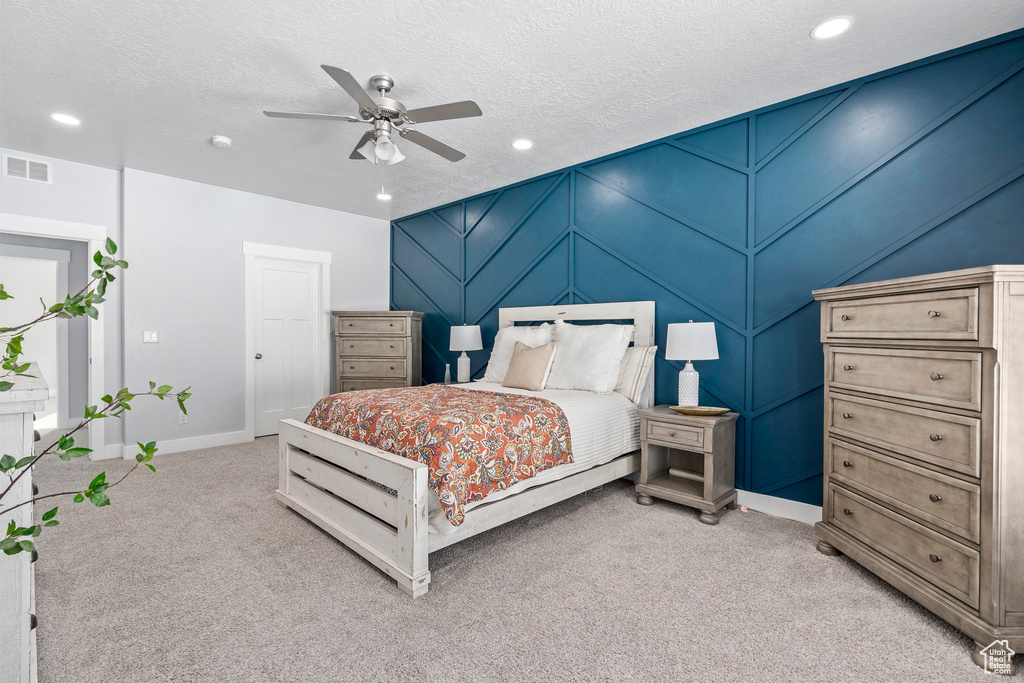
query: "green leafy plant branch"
20, 539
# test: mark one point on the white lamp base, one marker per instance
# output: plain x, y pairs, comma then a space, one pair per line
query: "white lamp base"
463, 368
689, 386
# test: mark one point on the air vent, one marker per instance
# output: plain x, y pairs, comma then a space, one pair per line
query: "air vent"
27, 169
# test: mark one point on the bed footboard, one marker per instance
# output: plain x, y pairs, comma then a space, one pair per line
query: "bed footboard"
330, 480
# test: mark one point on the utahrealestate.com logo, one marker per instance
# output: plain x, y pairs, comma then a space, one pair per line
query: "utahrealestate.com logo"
998, 658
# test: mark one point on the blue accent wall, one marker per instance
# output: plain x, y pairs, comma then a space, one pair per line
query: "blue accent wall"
914, 170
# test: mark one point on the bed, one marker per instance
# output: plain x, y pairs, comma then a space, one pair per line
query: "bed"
379, 504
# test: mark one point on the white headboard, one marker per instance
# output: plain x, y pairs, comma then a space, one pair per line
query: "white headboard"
640, 313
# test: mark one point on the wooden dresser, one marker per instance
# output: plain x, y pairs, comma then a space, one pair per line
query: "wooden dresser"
377, 349
924, 441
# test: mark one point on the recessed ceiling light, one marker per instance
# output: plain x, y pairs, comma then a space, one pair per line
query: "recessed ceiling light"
222, 141
384, 197
522, 143
830, 28
66, 119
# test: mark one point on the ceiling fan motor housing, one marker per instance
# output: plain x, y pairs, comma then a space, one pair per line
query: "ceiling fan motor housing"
389, 108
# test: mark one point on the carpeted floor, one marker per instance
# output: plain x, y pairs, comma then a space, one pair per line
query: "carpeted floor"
195, 573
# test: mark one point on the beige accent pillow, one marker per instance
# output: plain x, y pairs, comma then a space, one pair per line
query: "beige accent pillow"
635, 371
529, 367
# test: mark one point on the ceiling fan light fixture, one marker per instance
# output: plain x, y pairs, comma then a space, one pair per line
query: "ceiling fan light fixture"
830, 28
522, 144
385, 149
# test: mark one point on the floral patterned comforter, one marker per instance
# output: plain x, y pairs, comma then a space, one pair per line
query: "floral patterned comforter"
474, 442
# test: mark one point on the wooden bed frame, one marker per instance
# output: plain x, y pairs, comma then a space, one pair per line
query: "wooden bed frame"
330, 480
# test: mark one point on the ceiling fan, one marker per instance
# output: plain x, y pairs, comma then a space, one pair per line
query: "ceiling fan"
388, 117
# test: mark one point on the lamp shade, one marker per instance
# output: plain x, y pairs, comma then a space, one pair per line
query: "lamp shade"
466, 338
691, 341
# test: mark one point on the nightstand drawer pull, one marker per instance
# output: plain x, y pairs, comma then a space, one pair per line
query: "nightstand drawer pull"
934, 497
845, 317
934, 558
847, 416
847, 463
933, 314
935, 437
936, 376
848, 368
847, 511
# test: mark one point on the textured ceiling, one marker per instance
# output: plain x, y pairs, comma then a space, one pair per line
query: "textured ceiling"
152, 80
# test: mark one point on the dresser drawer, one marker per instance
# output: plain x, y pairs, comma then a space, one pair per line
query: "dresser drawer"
947, 378
376, 325
946, 440
950, 314
363, 384
372, 368
950, 565
944, 501
671, 434
375, 348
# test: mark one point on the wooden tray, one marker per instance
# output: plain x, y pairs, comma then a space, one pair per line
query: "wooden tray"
706, 411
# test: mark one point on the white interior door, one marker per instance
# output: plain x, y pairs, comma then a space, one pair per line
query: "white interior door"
286, 328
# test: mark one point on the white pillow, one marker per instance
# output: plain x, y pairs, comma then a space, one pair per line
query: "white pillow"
635, 371
504, 343
588, 356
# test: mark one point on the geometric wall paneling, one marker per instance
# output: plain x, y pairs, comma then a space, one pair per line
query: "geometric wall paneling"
501, 219
702, 194
915, 170
711, 272
868, 124
439, 239
774, 127
728, 142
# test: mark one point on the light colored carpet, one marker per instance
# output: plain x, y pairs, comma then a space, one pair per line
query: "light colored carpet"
196, 574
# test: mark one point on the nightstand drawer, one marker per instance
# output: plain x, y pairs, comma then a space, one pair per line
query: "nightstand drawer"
950, 314
951, 566
397, 325
948, 378
372, 368
375, 348
363, 384
944, 501
675, 434
943, 439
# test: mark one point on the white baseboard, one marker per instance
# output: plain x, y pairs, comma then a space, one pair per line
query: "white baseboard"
779, 507
189, 444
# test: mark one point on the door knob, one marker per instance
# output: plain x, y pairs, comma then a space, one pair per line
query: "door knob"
259, 356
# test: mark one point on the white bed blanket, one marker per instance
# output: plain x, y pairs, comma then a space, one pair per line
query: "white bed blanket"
602, 427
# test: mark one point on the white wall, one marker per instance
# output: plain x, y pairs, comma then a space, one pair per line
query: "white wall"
80, 194
186, 281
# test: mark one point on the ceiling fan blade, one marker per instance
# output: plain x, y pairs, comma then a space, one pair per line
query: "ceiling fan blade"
443, 112
435, 146
319, 117
348, 82
367, 136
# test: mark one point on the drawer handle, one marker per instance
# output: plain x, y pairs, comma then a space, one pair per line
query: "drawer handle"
936, 437
934, 497
848, 368
351, 367
934, 558
392, 346
847, 463
391, 324
847, 511
844, 317
671, 433
936, 376
847, 416
933, 314
392, 367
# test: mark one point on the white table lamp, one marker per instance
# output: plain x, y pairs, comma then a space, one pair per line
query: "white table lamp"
465, 338
690, 341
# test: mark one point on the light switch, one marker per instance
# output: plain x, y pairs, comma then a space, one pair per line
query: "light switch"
150, 337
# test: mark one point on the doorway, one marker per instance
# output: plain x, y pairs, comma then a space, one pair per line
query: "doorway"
287, 334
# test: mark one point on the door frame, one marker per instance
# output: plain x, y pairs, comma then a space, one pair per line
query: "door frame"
251, 250
95, 236
62, 257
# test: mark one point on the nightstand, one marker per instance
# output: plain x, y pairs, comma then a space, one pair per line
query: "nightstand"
688, 459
